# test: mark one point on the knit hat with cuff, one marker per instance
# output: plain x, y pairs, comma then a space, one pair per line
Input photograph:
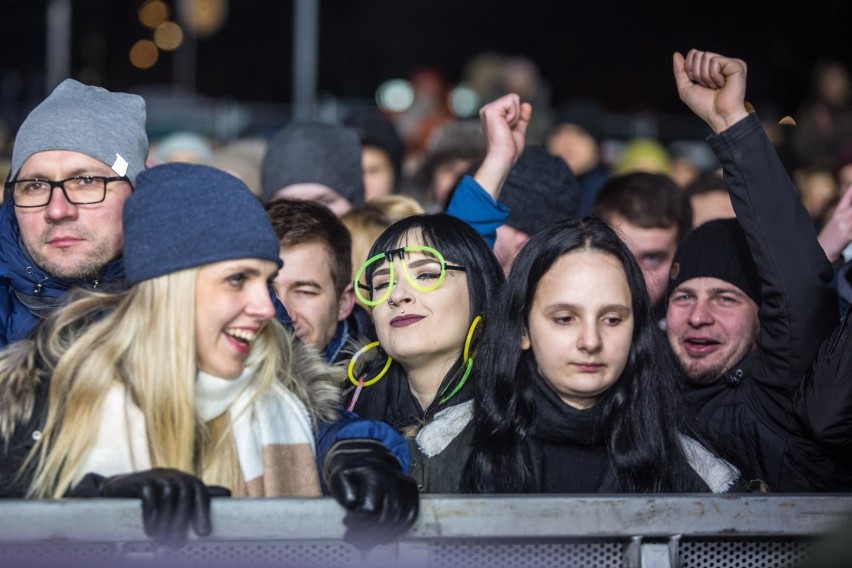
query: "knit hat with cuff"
186, 215
716, 249
106, 126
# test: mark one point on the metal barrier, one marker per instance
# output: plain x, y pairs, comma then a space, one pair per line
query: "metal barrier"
772, 531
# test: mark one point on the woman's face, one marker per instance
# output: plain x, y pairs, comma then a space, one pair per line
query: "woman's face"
580, 326
232, 305
417, 327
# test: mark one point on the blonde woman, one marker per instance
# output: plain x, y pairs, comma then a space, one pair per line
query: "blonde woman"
184, 380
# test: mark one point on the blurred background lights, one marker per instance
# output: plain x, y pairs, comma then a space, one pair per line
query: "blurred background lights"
144, 54
153, 13
464, 102
395, 95
202, 18
168, 36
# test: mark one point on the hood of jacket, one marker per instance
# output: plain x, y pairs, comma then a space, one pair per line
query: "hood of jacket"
25, 276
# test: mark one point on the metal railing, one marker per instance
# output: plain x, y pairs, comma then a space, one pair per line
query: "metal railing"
772, 531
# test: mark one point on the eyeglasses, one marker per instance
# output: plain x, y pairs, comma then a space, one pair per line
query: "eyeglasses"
424, 272
78, 190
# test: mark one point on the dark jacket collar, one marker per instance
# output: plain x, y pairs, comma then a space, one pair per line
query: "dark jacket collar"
29, 279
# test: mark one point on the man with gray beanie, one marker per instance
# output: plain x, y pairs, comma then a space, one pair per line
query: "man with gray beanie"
748, 299
89, 144
318, 162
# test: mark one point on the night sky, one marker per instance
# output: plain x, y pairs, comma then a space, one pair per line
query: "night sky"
617, 52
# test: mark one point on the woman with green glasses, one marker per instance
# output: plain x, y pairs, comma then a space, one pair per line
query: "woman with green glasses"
428, 279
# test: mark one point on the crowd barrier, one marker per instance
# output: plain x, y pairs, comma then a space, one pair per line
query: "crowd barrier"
770, 531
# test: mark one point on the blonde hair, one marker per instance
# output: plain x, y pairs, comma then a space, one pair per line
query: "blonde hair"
370, 220
143, 339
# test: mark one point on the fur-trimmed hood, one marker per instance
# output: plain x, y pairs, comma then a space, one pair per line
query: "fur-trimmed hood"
318, 382
19, 387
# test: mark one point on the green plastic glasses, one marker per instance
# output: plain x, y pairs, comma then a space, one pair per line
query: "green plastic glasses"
423, 266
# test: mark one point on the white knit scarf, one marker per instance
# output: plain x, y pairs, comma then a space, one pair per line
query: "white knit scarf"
272, 434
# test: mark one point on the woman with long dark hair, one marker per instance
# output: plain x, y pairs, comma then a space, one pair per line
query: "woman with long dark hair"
577, 391
428, 280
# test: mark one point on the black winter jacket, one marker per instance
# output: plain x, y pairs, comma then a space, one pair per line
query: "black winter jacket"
751, 404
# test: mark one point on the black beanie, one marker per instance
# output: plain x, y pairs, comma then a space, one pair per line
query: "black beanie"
539, 190
716, 249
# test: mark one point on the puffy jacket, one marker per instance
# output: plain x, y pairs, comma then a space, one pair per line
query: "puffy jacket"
26, 291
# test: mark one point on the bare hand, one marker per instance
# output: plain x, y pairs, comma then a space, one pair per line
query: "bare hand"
837, 232
712, 86
504, 122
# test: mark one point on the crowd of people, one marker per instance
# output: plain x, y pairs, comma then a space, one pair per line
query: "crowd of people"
306, 322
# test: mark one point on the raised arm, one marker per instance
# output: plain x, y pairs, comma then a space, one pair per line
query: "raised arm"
474, 201
798, 308
504, 123
712, 86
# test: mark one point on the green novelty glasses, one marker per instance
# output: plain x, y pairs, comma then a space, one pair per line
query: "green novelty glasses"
424, 268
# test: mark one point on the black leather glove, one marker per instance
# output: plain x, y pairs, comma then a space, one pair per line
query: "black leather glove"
381, 502
171, 500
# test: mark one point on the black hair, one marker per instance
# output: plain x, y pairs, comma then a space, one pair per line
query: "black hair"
460, 244
643, 412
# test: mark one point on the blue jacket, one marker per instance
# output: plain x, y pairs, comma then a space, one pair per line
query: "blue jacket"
26, 289
477, 208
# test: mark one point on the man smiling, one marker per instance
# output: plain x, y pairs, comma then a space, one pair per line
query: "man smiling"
315, 284
712, 318
75, 159
748, 298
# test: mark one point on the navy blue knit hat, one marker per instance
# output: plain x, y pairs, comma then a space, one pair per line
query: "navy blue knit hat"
185, 215
716, 249
539, 190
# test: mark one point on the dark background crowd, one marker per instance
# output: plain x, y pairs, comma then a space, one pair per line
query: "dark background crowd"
586, 49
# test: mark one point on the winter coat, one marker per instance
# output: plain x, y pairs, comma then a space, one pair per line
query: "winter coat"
475, 206
27, 292
25, 410
823, 403
751, 404
568, 452
392, 401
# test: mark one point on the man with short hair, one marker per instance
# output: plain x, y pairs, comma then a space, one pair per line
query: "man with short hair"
709, 199
313, 161
749, 300
315, 283
75, 159
651, 217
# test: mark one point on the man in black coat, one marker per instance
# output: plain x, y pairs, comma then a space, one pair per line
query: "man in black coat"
749, 300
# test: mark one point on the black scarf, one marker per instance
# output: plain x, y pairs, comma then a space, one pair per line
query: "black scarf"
570, 453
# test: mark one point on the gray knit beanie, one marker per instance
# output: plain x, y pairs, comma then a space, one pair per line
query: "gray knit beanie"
312, 152
106, 126
716, 249
539, 190
186, 215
